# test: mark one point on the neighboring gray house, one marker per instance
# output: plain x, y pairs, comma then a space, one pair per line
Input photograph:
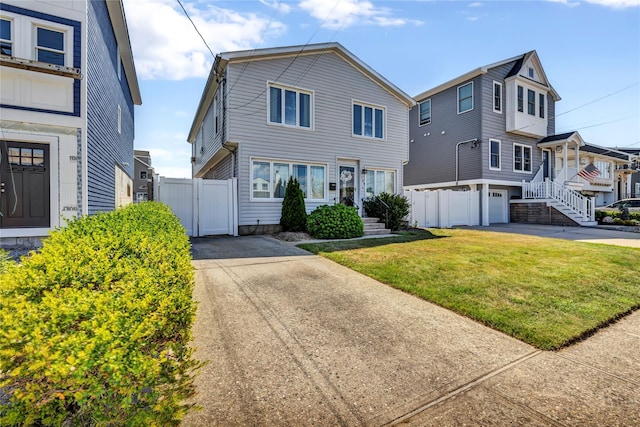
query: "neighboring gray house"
69, 87
493, 130
314, 112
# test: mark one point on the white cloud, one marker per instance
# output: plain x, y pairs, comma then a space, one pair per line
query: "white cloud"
347, 13
476, 4
615, 4
277, 5
165, 44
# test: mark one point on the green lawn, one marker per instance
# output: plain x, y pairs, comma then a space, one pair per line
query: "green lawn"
546, 292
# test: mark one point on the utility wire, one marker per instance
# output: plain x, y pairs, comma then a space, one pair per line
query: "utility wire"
599, 99
196, 28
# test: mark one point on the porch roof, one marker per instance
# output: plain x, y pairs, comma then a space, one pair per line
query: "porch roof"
607, 152
553, 140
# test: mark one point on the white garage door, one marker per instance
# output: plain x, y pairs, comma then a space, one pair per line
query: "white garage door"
498, 206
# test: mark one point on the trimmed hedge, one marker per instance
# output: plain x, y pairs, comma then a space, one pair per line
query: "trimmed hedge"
294, 213
95, 325
335, 222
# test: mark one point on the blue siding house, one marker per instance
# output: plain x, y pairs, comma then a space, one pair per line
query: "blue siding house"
69, 87
492, 130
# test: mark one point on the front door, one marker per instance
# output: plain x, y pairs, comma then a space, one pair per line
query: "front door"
24, 185
546, 164
347, 181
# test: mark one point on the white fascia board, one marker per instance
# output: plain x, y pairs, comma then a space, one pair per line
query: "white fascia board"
445, 185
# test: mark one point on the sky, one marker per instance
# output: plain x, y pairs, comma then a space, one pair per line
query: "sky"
589, 49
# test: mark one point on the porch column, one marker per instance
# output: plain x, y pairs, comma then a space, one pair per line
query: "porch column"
565, 158
485, 205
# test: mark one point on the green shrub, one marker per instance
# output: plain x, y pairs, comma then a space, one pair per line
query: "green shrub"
394, 216
95, 325
616, 214
294, 213
335, 222
5, 260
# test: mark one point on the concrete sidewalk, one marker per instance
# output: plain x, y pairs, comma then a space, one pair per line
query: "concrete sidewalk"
294, 339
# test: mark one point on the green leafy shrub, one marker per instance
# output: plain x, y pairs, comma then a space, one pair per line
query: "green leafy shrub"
95, 326
335, 222
394, 216
5, 260
616, 214
294, 213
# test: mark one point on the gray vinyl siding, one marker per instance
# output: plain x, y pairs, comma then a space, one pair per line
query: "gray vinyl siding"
334, 83
208, 141
106, 148
222, 170
432, 156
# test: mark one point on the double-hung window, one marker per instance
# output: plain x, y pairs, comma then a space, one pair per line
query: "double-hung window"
521, 158
425, 112
270, 178
541, 105
497, 97
379, 181
494, 157
531, 102
50, 46
520, 99
6, 43
465, 98
368, 121
290, 106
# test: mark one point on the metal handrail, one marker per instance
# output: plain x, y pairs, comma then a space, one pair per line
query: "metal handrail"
386, 213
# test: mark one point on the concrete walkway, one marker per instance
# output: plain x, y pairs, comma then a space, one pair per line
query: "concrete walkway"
296, 340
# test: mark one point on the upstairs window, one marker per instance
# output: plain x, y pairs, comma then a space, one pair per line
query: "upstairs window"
495, 154
541, 105
49, 46
497, 97
289, 107
143, 174
521, 158
425, 112
6, 45
531, 102
520, 99
368, 121
465, 98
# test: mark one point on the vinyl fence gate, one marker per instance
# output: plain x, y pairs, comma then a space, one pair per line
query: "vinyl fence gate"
205, 207
443, 208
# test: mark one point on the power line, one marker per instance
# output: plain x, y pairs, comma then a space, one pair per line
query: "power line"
196, 28
599, 99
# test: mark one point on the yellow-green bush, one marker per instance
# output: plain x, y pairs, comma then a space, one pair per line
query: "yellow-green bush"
95, 327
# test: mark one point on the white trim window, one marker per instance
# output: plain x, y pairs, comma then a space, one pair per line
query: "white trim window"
378, 181
522, 158
6, 37
49, 45
531, 102
497, 97
368, 120
424, 112
604, 167
520, 97
495, 161
541, 105
465, 98
290, 107
269, 179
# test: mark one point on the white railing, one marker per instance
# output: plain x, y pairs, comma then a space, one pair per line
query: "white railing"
576, 202
539, 175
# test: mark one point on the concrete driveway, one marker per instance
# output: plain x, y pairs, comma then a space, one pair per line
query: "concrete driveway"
293, 339
604, 235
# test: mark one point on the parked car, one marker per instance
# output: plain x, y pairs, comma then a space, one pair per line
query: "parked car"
632, 204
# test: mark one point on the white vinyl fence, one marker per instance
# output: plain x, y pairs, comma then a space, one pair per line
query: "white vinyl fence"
204, 206
443, 208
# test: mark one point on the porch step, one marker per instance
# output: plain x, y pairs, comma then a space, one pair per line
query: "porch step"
372, 227
570, 214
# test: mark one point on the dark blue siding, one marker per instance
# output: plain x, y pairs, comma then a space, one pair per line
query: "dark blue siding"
77, 50
106, 148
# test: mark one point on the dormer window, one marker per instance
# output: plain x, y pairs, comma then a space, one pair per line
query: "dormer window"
531, 102
531, 73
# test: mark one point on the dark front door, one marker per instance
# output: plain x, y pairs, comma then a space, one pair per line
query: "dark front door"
24, 185
546, 164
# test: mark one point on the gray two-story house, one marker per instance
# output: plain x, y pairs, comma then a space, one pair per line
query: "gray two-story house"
314, 112
492, 130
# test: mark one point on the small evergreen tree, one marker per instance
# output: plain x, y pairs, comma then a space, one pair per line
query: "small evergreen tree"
294, 213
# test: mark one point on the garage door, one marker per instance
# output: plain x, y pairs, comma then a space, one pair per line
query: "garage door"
498, 206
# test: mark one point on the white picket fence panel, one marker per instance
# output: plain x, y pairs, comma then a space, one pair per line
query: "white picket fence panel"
205, 207
443, 208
